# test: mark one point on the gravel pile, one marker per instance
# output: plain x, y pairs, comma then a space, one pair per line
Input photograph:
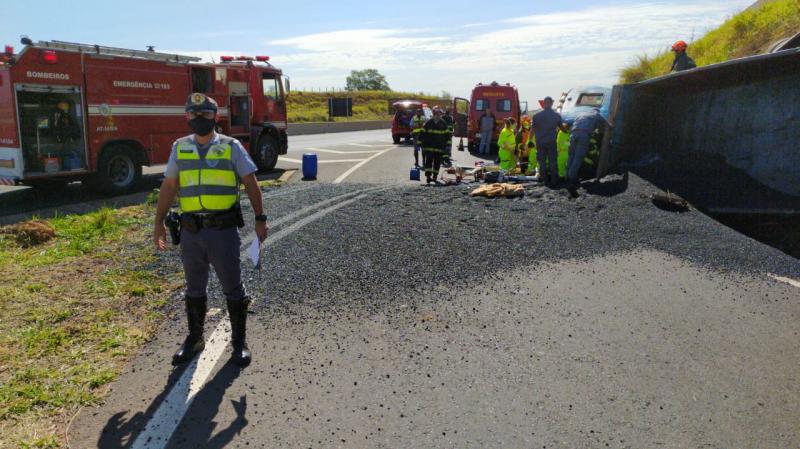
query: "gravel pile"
404, 241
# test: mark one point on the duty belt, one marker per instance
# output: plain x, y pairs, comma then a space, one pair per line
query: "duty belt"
194, 222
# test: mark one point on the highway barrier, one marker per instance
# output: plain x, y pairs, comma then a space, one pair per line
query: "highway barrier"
299, 129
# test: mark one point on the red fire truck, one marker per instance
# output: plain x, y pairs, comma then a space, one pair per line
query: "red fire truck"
98, 114
502, 100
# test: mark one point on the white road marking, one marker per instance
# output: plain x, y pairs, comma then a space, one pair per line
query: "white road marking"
173, 408
325, 150
299, 213
789, 281
357, 166
160, 427
319, 161
366, 145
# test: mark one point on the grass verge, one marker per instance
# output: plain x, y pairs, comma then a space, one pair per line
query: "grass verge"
745, 34
74, 309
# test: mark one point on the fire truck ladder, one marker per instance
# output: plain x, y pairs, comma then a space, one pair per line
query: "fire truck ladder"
114, 51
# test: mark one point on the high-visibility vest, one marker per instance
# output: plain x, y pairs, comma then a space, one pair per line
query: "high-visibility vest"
505, 149
532, 161
562, 142
206, 183
417, 123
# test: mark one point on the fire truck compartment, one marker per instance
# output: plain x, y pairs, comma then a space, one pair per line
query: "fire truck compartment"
51, 126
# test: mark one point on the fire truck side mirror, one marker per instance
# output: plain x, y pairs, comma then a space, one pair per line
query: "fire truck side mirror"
286, 81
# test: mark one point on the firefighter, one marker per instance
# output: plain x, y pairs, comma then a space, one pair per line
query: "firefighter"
580, 137
506, 145
205, 170
682, 60
523, 141
434, 137
416, 127
448, 118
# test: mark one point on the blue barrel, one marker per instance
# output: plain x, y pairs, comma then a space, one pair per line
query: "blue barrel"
415, 174
309, 166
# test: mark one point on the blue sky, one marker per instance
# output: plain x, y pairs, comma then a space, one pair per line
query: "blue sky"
542, 47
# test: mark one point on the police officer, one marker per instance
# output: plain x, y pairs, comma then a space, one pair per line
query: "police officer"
205, 170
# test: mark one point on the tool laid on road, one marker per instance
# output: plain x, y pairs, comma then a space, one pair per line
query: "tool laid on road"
498, 189
669, 201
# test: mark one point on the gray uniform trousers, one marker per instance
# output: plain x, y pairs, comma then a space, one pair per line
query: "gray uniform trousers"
578, 147
547, 157
218, 248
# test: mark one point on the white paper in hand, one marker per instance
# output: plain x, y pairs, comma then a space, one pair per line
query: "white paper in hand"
254, 253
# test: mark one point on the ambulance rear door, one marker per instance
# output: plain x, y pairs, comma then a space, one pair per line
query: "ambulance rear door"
460, 114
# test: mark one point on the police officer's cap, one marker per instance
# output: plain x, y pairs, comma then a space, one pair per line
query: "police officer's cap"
198, 102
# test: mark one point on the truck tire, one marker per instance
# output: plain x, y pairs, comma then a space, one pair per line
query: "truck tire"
266, 153
118, 171
396, 138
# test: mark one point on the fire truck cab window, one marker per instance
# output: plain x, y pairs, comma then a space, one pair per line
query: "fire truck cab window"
481, 104
270, 84
202, 80
504, 105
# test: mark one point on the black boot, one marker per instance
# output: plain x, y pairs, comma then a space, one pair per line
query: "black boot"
237, 310
194, 343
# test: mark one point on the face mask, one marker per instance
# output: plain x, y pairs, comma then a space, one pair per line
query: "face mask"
202, 126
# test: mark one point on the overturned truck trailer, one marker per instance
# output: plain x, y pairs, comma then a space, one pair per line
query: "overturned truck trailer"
726, 137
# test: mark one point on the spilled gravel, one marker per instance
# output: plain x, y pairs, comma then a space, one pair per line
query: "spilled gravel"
408, 239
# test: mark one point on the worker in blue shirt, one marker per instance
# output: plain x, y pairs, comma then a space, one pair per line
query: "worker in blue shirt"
546, 124
582, 128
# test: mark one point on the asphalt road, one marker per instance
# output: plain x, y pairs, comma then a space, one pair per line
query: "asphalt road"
389, 315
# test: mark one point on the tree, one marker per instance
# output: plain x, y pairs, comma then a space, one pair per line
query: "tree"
367, 79
446, 95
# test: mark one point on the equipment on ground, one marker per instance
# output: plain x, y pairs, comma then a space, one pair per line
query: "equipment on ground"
309, 166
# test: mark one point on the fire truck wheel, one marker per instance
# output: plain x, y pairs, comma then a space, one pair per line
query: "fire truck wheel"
266, 155
118, 170
396, 138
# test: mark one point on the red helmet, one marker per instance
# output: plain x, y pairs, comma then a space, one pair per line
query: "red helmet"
679, 46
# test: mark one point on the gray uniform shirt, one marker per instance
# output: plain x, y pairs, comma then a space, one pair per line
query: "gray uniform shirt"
545, 126
487, 123
242, 163
587, 122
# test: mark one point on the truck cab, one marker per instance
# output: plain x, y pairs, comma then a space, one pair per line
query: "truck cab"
583, 99
501, 100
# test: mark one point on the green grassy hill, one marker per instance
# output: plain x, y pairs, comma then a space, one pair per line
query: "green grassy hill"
367, 105
748, 33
